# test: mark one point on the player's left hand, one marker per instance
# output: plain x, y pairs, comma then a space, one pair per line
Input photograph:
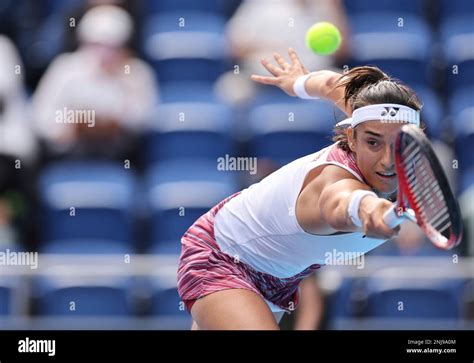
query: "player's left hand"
285, 75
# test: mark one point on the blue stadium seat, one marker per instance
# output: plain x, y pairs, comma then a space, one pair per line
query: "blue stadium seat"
457, 37
462, 111
463, 79
211, 6
460, 101
61, 6
196, 51
7, 11
450, 8
102, 195
401, 51
283, 132
432, 113
164, 301
5, 298
399, 324
345, 302
433, 297
86, 246
182, 190
468, 299
189, 69
13, 295
187, 92
400, 7
75, 296
170, 247
171, 223
167, 302
190, 130
466, 180
45, 42
267, 95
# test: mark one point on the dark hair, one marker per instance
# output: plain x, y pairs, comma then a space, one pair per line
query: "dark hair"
368, 85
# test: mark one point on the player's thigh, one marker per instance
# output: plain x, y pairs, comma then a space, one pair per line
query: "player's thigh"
276, 315
233, 309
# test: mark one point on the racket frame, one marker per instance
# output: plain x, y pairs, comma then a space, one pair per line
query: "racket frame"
400, 211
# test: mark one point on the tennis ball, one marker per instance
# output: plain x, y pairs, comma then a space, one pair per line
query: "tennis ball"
323, 38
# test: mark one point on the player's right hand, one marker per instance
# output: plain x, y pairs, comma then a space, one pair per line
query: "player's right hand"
285, 75
371, 212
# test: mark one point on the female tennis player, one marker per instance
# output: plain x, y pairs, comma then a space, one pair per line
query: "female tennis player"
242, 261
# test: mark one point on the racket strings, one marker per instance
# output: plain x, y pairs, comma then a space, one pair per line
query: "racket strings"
425, 189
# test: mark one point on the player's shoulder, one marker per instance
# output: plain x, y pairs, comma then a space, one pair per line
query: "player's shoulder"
333, 173
323, 176
337, 163
331, 165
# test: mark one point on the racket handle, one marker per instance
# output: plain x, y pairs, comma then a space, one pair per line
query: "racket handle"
391, 217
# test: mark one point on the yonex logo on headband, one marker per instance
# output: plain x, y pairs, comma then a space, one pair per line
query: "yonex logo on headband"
387, 112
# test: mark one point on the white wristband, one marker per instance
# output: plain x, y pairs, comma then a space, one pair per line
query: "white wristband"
299, 86
353, 208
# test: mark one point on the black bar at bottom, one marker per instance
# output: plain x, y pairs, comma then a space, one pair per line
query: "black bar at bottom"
134, 346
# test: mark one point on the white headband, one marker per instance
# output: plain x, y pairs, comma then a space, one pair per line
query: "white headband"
386, 113
345, 122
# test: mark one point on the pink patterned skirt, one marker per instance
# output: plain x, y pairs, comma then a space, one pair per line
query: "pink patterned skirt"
204, 269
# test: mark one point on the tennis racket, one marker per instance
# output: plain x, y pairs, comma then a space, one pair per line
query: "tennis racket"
424, 196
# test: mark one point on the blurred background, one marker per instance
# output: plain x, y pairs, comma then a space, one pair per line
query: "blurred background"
114, 114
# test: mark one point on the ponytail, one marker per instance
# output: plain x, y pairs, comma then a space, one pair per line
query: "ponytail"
359, 78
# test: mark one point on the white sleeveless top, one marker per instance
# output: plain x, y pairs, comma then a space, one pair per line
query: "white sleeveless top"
259, 226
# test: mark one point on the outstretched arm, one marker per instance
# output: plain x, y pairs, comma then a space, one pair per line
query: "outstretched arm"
334, 202
320, 84
323, 205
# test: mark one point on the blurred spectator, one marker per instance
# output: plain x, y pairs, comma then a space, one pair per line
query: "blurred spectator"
43, 29
261, 27
95, 101
77, 12
18, 148
17, 137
